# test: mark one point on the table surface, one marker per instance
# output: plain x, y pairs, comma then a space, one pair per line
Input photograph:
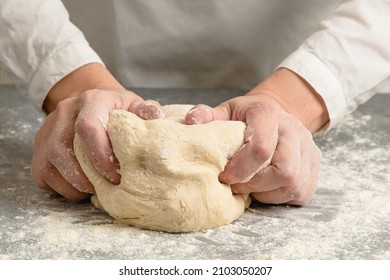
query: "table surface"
346, 219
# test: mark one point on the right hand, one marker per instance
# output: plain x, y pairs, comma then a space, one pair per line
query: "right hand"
279, 161
280, 113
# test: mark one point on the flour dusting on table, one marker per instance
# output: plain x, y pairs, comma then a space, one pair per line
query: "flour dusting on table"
346, 219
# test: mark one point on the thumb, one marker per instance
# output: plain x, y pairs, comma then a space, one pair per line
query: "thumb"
149, 109
201, 114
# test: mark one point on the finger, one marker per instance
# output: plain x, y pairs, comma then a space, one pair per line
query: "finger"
90, 126
283, 170
149, 109
67, 165
62, 187
40, 183
278, 196
261, 138
37, 172
59, 148
38, 165
283, 194
56, 150
234, 109
310, 160
47, 177
300, 192
201, 114
310, 180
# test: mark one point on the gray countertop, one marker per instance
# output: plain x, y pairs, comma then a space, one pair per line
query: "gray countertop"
346, 219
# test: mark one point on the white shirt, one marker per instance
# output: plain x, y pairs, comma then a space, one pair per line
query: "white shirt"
231, 43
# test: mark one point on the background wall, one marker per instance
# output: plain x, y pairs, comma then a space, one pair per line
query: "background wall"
96, 19
3, 78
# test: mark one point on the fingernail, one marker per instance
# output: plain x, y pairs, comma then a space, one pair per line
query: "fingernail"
80, 188
222, 178
191, 118
114, 177
150, 111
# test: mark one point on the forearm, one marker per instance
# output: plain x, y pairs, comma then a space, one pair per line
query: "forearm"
347, 60
90, 76
296, 96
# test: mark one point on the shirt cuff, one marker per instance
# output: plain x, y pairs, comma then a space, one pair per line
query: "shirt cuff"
57, 66
318, 75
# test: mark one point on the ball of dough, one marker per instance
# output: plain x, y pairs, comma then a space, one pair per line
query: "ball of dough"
169, 172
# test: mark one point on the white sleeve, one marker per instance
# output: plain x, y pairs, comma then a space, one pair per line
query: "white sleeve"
39, 45
347, 60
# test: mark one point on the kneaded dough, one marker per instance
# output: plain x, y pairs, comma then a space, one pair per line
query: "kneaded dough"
169, 172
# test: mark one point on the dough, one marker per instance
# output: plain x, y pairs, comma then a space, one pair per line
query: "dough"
169, 172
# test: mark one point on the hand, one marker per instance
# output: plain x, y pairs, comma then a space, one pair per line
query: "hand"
54, 166
272, 134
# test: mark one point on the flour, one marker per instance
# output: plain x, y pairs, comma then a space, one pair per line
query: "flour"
346, 219
13, 127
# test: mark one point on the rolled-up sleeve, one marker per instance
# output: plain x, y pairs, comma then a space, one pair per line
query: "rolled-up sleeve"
347, 60
39, 45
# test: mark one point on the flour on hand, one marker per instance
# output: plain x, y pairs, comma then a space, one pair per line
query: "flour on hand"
169, 172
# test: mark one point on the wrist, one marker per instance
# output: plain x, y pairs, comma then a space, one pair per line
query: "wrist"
90, 76
296, 96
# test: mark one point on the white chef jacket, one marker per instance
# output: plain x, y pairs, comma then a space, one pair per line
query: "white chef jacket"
210, 43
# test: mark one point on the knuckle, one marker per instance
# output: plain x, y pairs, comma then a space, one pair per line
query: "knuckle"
37, 177
261, 150
90, 94
53, 153
272, 108
38, 136
84, 126
39, 174
301, 197
299, 194
294, 195
64, 105
268, 109
289, 176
